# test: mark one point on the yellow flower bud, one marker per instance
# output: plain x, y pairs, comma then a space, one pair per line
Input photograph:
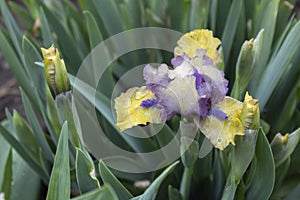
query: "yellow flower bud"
55, 71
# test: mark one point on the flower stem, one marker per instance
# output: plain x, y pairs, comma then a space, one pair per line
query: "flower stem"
186, 183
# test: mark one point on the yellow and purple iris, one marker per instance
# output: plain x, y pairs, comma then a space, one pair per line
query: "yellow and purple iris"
193, 88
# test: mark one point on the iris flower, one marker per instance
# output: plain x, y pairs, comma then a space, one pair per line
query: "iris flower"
193, 88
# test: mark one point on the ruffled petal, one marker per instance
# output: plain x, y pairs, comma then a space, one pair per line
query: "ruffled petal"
250, 109
199, 39
221, 132
156, 77
180, 97
216, 81
132, 108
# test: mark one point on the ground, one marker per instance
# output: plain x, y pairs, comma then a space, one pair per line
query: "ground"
9, 91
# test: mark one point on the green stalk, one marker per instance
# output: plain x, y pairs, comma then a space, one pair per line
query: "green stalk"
186, 183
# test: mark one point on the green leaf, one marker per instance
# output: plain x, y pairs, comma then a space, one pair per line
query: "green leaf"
268, 23
277, 66
72, 55
95, 36
46, 32
218, 175
199, 10
284, 146
14, 31
79, 37
36, 127
174, 194
152, 191
177, 21
7, 179
36, 74
289, 87
53, 114
242, 154
213, 14
22, 14
280, 175
22, 152
110, 14
132, 9
26, 136
230, 28
26, 183
59, 185
229, 190
241, 157
64, 105
85, 172
189, 151
105, 192
282, 37
294, 194
263, 181
4, 149
15, 65
109, 178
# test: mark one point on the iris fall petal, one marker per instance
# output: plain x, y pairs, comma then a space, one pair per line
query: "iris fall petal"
130, 111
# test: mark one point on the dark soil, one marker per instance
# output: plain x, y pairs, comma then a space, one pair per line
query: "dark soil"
9, 91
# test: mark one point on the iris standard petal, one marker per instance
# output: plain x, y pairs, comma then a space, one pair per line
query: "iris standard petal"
130, 110
199, 39
217, 83
180, 97
156, 77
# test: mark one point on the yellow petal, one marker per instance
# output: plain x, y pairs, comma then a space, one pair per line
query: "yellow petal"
199, 39
129, 110
48, 52
230, 106
222, 132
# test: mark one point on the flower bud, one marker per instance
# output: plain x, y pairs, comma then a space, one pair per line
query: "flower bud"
55, 71
249, 54
283, 146
250, 113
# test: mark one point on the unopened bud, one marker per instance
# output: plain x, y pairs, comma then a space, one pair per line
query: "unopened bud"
55, 71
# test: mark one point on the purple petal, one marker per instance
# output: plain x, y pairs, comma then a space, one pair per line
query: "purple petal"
219, 114
148, 103
204, 107
156, 77
177, 61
